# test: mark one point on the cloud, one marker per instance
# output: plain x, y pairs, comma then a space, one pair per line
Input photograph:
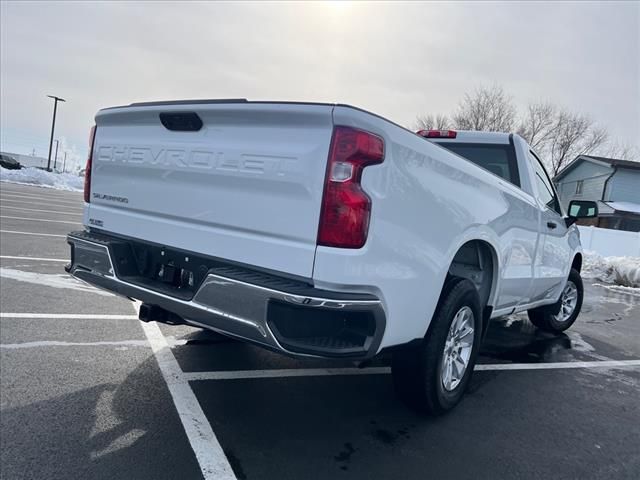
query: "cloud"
396, 59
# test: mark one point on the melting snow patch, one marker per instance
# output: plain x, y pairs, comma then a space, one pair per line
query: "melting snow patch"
42, 178
511, 319
624, 271
620, 289
51, 280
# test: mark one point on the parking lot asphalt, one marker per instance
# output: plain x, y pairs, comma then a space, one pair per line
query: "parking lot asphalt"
87, 391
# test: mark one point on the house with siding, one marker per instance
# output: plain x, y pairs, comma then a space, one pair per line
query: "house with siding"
613, 183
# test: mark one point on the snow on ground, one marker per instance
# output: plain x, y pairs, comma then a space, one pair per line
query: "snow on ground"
42, 178
624, 271
619, 289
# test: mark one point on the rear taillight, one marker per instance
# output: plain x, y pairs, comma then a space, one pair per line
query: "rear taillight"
87, 172
437, 133
344, 218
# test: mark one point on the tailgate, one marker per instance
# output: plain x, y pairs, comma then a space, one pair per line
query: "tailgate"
246, 186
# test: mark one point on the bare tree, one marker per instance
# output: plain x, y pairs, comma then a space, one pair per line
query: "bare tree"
572, 134
432, 122
486, 109
557, 135
536, 126
621, 151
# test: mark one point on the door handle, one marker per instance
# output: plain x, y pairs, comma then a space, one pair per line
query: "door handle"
552, 225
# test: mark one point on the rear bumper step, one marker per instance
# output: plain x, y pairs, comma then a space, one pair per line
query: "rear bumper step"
276, 313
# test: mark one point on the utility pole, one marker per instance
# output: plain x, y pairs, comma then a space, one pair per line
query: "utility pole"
53, 125
64, 162
56, 157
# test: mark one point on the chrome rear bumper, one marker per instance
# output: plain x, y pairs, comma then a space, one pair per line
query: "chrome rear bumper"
313, 323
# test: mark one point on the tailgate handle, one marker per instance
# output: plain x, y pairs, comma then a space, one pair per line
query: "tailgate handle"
181, 121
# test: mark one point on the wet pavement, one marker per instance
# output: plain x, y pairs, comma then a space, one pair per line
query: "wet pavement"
85, 397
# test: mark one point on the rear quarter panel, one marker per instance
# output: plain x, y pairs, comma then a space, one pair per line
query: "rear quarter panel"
426, 203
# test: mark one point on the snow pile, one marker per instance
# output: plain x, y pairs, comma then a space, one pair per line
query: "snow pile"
42, 178
623, 271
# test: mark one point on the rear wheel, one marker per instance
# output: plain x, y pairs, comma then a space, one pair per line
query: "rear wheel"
432, 376
561, 315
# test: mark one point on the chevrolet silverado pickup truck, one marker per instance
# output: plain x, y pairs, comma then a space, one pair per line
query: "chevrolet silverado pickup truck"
323, 230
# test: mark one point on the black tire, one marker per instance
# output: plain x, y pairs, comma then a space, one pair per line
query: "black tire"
417, 370
545, 317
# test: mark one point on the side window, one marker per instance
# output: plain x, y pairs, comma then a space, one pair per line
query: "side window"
545, 189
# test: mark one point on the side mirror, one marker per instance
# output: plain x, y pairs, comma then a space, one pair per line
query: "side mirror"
581, 209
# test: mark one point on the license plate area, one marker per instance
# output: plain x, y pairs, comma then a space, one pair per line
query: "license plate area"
160, 268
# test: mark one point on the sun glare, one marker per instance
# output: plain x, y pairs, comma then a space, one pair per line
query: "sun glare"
338, 6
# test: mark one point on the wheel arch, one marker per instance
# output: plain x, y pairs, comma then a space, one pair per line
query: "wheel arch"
576, 264
477, 260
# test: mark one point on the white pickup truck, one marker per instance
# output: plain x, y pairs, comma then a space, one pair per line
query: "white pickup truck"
327, 231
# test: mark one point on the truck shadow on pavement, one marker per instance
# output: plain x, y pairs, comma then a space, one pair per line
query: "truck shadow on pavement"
107, 431
515, 339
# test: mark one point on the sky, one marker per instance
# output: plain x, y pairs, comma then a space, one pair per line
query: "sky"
396, 59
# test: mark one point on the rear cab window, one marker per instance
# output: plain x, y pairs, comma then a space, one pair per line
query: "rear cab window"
499, 159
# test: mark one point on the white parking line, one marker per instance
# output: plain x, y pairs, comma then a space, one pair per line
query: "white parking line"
32, 233
560, 365
321, 372
46, 199
209, 454
57, 212
211, 458
39, 259
54, 343
18, 189
206, 447
47, 203
68, 316
44, 220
